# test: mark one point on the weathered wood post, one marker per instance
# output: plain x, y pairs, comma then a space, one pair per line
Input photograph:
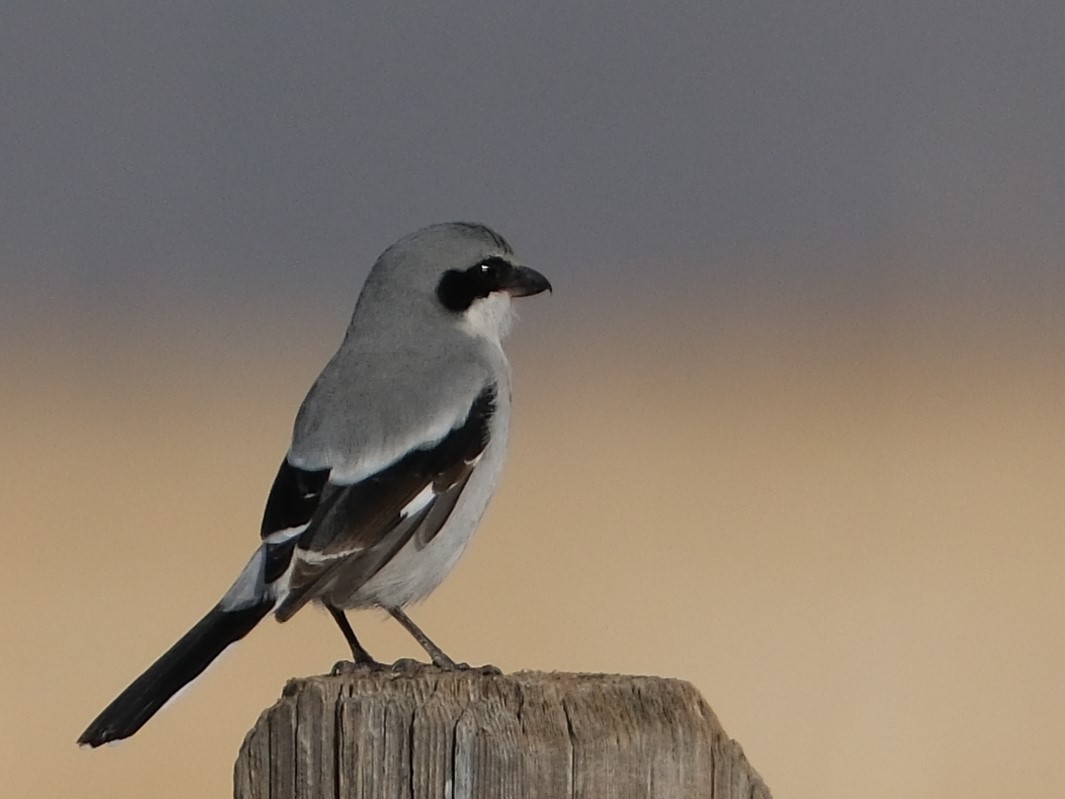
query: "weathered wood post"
467, 734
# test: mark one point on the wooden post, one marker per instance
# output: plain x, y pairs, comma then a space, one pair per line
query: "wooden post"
466, 734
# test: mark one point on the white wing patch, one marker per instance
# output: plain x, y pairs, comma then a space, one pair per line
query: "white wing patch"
311, 556
280, 536
420, 502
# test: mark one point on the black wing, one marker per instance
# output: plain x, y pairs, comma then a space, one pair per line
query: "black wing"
322, 524
294, 498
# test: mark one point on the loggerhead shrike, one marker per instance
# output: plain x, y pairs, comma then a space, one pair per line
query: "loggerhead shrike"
395, 453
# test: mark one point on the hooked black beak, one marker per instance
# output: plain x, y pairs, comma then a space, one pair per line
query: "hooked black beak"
524, 282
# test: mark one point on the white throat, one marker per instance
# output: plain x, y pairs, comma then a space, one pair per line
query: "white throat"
491, 317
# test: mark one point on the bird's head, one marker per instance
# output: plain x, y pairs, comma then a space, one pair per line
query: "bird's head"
462, 271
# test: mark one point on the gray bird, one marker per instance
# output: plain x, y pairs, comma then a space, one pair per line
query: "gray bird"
395, 453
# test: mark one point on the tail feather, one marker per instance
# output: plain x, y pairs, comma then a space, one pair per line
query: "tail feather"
181, 664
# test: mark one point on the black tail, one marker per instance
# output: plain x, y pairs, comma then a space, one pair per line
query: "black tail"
181, 664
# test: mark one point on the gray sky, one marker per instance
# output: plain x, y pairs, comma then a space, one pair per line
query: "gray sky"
156, 151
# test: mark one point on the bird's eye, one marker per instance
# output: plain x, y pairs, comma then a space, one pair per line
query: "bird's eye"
492, 267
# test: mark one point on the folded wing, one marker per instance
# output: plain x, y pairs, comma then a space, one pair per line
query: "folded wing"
317, 528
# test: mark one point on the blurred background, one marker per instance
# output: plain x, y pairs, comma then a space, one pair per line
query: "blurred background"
791, 426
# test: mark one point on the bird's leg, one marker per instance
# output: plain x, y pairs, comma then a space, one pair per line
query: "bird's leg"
440, 660
358, 653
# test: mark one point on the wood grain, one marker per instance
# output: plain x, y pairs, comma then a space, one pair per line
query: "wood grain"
429, 733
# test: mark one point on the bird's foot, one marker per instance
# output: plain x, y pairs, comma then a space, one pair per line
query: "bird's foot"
409, 666
358, 667
487, 670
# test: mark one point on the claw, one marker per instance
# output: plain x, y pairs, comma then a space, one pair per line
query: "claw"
408, 666
487, 670
356, 667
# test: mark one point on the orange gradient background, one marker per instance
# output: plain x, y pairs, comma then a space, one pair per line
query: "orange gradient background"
846, 531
